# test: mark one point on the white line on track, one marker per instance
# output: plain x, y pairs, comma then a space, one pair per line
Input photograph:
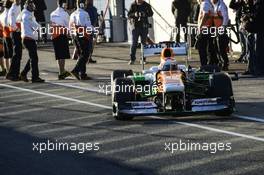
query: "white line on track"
76, 87
56, 96
248, 118
63, 121
214, 129
154, 117
201, 161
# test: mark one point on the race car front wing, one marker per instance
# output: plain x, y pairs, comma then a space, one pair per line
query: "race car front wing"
199, 106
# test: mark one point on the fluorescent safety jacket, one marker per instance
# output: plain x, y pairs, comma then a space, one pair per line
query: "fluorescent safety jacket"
213, 14
220, 14
14, 21
205, 14
59, 22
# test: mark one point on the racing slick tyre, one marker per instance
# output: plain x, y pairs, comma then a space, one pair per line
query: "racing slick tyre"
120, 74
123, 92
210, 68
221, 86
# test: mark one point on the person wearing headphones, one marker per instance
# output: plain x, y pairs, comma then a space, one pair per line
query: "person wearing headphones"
29, 34
82, 28
60, 22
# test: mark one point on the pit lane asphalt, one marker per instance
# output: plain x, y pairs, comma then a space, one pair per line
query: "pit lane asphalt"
72, 111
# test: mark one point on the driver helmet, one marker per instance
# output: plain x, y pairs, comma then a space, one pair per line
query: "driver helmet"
166, 54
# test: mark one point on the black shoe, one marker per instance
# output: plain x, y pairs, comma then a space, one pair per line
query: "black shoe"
11, 78
92, 61
64, 75
3, 73
37, 80
85, 77
23, 78
75, 75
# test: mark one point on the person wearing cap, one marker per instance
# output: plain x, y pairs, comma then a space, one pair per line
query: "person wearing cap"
59, 22
7, 42
29, 32
82, 30
15, 28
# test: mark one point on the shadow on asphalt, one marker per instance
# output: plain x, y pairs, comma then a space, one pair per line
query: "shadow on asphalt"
17, 157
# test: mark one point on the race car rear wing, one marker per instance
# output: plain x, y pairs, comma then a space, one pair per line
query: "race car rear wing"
179, 49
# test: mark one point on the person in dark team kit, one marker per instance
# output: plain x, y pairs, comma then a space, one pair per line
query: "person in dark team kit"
60, 22
39, 14
138, 16
15, 28
29, 36
181, 9
92, 11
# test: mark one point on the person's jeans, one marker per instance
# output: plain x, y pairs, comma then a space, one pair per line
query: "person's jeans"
136, 33
244, 45
179, 26
202, 46
251, 53
223, 42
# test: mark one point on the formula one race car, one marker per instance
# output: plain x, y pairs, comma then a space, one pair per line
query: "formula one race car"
171, 89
